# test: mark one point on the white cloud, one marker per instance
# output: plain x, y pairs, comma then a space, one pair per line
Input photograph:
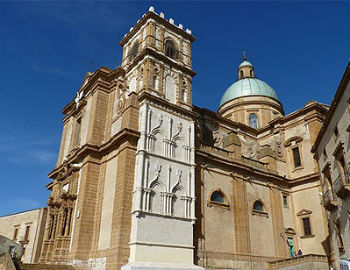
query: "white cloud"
23, 147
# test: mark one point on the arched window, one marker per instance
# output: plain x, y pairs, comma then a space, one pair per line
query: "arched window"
253, 120
258, 206
134, 50
251, 73
170, 49
217, 197
241, 74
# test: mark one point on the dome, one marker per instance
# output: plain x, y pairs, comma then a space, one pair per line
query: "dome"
245, 63
248, 87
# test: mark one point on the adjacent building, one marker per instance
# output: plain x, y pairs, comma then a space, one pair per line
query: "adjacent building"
26, 228
332, 152
145, 179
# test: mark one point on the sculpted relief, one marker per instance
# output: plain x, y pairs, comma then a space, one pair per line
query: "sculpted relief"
167, 179
250, 149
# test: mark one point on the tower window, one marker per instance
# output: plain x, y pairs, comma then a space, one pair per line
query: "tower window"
253, 120
217, 197
296, 157
285, 200
170, 49
134, 50
258, 206
251, 73
241, 73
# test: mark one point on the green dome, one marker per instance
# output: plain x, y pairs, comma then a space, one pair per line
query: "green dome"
248, 87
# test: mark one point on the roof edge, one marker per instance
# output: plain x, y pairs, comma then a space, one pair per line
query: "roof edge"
338, 94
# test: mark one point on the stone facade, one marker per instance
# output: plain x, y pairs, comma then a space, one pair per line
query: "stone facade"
26, 228
248, 166
144, 179
332, 152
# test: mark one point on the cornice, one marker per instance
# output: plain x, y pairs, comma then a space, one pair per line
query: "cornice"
152, 15
167, 106
313, 177
149, 51
250, 102
236, 125
234, 163
94, 81
301, 112
253, 170
95, 150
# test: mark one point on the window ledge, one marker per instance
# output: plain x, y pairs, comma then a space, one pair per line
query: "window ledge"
260, 213
307, 236
217, 204
24, 242
297, 168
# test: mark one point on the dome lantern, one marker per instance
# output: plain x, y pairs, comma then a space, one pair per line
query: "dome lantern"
250, 97
245, 69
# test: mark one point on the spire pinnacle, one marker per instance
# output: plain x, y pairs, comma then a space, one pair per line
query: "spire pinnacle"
244, 56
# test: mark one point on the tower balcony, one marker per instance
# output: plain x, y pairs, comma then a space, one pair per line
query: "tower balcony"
329, 200
342, 185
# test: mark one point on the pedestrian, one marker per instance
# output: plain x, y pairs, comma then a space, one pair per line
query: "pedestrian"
300, 253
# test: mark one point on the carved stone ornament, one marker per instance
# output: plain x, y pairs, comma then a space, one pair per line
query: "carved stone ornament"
178, 185
78, 97
179, 129
277, 146
155, 180
120, 104
218, 139
157, 127
251, 147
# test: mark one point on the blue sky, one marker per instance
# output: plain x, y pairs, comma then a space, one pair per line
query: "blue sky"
299, 48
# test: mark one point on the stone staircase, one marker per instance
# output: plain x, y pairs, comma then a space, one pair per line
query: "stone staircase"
306, 262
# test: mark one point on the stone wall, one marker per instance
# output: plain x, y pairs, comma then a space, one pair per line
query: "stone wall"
35, 221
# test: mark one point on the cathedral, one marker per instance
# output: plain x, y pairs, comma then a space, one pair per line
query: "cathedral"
146, 180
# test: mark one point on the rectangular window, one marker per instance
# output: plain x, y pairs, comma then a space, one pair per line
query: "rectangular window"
307, 226
26, 235
15, 234
296, 157
285, 200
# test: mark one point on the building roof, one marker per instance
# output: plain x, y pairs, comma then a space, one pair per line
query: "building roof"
248, 87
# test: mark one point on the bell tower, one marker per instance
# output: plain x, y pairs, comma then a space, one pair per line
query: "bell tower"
157, 59
158, 65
